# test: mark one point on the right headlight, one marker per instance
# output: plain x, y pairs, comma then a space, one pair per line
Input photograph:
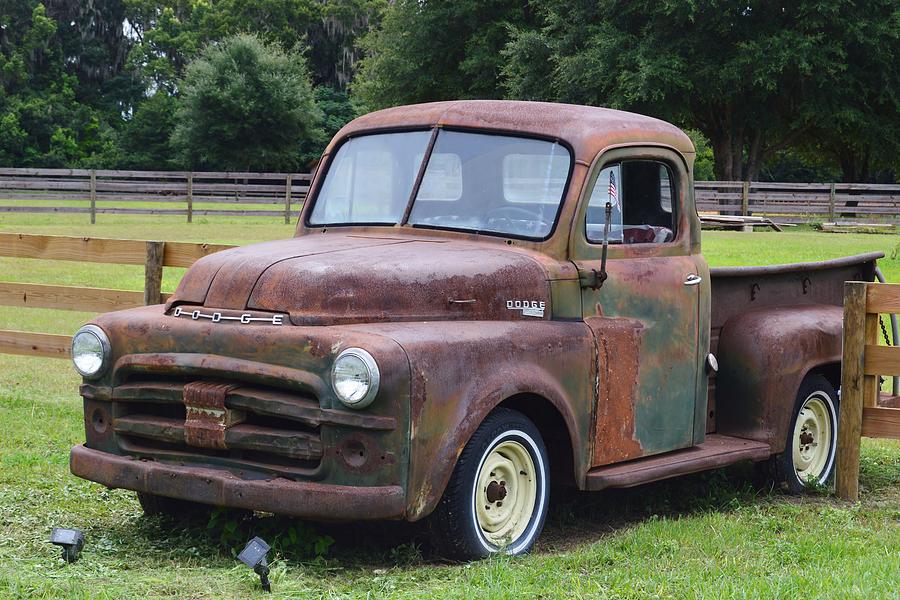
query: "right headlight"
355, 378
90, 351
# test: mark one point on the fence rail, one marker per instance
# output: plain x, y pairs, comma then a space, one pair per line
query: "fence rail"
800, 202
154, 255
864, 361
182, 193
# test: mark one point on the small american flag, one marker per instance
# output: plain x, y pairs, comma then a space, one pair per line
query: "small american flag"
613, 192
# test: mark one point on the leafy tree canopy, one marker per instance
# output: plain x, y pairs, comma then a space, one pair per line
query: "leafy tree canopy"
431, 50
43, 122
245, 105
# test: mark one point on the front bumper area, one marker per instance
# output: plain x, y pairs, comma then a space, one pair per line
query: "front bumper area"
221, 488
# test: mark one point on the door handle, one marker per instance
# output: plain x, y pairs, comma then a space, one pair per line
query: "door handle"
693, 279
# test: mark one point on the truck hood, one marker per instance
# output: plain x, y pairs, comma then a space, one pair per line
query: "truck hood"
333, 278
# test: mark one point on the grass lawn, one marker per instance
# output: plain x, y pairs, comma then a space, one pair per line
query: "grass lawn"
720, 534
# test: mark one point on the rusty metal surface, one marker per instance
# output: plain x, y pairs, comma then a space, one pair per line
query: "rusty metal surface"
716, 451
207, 416
399, 276
588, 129
211, 486
769, 327
463, 370
764, 354
618, 355
276, 375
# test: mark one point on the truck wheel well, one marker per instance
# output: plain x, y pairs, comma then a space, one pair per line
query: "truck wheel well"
552, 428
831, 372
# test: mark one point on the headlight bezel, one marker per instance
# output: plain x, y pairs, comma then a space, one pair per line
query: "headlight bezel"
105, 349
374, 374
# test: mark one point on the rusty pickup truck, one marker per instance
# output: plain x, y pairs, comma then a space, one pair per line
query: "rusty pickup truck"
482, 298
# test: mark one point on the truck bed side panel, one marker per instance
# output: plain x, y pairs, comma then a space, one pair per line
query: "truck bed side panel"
791, 311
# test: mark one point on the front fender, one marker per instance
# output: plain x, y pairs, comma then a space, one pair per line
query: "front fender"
460, 371
763, 356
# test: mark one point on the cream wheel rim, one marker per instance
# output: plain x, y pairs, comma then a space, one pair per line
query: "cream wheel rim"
813, 439
505, 493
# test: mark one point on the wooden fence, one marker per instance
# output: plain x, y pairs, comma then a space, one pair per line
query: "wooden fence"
800, 202
864, 361
185, 194
153, 255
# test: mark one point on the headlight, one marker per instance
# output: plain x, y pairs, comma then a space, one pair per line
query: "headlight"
355, 377
90, 351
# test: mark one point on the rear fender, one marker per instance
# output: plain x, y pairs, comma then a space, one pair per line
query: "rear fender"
763, 356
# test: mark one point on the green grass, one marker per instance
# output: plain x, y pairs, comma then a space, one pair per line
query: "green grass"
720, 534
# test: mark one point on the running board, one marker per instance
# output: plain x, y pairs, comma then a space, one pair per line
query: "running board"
717, 451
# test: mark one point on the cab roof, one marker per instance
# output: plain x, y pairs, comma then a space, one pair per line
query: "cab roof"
588, 129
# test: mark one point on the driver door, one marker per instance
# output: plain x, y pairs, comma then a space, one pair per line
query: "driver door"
645, 316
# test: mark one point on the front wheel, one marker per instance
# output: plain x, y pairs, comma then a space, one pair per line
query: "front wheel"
808, 457
496, 500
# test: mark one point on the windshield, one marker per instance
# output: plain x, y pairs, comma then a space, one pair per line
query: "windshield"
474, 182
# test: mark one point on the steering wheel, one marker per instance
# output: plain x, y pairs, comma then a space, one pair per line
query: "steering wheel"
496, 213
517, 220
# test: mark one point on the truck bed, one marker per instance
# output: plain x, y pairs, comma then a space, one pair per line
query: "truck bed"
737, 290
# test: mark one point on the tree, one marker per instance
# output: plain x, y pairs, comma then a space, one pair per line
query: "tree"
145, 137
858, 128
337, 110
245, 105
753, 77
169, 33
429, 50
42, 121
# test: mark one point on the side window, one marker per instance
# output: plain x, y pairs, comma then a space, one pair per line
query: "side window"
642, 195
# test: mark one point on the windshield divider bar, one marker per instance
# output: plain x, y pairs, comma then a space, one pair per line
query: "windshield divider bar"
420, 175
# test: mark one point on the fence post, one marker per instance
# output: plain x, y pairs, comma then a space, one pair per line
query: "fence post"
831, 203
153, 269
745, 198
93, 196
287, 199
190, 197
852, 391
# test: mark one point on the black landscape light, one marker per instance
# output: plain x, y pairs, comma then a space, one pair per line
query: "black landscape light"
70, 540
254, 556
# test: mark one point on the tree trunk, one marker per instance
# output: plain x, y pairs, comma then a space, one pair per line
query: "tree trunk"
728, 154
754, 156
721, 156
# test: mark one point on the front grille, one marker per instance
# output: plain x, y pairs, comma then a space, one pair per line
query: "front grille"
276, 430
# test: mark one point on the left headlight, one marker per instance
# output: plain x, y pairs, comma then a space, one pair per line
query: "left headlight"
90, 351
355, 378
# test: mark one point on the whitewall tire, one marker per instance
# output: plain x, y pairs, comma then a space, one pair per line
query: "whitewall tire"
809, 455
497, 498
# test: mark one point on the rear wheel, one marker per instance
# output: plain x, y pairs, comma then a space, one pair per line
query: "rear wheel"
497, 497
808, 457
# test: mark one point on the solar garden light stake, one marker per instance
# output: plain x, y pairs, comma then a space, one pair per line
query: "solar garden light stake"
254, 556
70, 540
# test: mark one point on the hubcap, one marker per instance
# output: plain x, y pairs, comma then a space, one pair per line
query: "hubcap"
506, 492
813, 438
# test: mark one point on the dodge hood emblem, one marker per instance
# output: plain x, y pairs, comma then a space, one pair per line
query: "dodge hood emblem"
217, 317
